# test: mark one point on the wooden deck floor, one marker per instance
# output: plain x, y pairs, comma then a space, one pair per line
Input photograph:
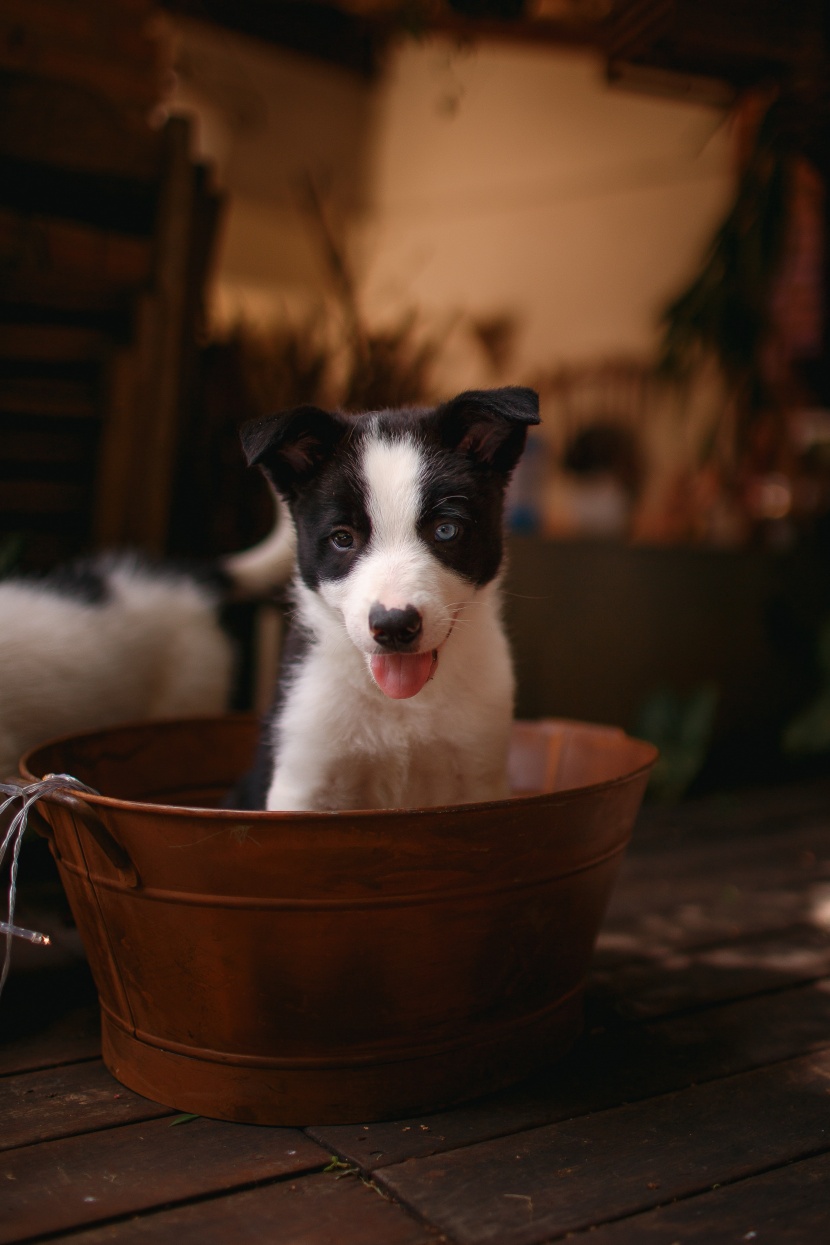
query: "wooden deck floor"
696, 1108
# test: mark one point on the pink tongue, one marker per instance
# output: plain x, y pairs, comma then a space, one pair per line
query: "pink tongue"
401, 675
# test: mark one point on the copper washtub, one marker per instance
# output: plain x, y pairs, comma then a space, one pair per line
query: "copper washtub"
285, 968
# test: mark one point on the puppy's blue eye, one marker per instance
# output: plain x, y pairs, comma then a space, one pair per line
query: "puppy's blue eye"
447, 531
342, 539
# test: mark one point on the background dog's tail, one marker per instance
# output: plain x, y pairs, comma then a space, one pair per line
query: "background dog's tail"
255, 572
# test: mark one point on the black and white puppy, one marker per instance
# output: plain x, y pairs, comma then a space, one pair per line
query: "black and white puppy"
397, 687
114, 638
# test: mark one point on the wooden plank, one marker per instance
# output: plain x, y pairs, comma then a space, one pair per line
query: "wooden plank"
113, 510
702, 893
69, 1037
146, 384
535, 1186
46, 117
37, 188
170, 337
660, 934
49, 1013
63, 1102
727, 817
105, 79
701, 976
313, 1210
66, 263
32, 395
800, 854
41, 497
789, 1206
60, 1185
109, 34
63, 444
64, 343
610, 1066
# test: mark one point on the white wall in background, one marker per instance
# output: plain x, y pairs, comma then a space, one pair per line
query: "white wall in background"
512, 178
266, 119
499, 179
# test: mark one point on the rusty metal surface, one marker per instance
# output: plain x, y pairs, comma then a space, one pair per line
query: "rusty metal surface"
281, 968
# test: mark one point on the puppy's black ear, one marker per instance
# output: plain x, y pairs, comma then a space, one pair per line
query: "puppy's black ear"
490, 425
291, 447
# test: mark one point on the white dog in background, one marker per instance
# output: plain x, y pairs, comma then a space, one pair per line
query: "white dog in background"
114, 638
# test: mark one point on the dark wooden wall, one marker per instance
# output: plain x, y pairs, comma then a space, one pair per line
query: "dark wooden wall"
106, 225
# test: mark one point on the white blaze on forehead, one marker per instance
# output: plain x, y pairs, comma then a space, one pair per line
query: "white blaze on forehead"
393, 472
397, 569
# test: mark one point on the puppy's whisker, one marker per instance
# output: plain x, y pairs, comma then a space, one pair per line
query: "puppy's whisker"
526, 596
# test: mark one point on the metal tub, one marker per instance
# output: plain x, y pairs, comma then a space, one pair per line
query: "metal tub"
295, 968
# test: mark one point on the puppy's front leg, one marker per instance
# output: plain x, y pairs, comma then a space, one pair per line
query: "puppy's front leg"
296, 786
308, 778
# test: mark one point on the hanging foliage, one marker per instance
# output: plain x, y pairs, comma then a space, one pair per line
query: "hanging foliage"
725, 312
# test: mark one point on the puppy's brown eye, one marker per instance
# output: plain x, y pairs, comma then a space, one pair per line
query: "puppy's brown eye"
342, 539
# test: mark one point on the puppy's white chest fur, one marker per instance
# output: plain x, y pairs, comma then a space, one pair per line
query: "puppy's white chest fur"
342, 744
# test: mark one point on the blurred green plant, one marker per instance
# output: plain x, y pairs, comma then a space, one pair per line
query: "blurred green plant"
681, 727
809, 731
391, 368
10, 551
285, 365
289, 365
333, 357
725, 312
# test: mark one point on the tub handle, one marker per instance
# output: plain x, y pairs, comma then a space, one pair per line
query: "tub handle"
109, 845
35, 817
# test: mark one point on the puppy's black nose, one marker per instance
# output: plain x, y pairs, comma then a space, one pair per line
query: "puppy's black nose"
395, 629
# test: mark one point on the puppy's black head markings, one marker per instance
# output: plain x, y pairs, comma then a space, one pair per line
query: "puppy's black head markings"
486, 426
291, 447
489, 426
309, 456
485, 432
469, 446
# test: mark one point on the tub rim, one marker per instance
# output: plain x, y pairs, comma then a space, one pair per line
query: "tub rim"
364, 815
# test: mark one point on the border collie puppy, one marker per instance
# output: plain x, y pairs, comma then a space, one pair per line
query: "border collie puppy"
396, 687
115, 638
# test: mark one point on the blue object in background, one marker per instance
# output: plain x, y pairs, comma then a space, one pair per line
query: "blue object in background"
525, 494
